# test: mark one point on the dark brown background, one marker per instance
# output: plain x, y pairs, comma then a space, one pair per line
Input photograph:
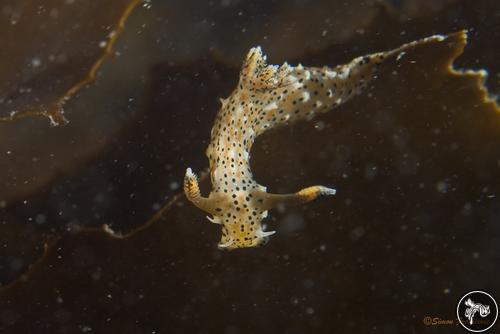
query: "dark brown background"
415, 223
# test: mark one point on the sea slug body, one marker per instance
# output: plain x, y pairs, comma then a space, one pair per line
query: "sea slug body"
268, 96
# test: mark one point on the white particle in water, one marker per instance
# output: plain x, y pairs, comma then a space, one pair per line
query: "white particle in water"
40, 218
357, 233
442, 187
54, 13
86, 329
36, 62
174, 185
319, 126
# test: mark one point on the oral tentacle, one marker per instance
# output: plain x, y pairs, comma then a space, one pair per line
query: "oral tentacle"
226, 245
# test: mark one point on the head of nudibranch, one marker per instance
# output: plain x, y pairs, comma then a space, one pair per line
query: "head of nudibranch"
241, 221
243, 231
241, 212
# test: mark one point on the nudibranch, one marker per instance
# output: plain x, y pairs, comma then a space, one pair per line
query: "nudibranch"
268, 96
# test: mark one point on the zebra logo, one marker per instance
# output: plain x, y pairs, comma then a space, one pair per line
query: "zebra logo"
477, 311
